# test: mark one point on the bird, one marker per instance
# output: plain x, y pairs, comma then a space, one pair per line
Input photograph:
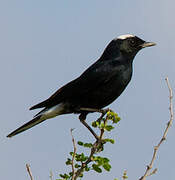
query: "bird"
97, 87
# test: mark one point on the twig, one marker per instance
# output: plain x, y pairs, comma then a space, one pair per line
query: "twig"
80, 170
96, 145
29, 171
73, 157
125, 175
51, 175
149, 167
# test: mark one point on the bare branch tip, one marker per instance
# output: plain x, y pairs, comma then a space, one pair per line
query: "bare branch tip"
149, 167
29, 171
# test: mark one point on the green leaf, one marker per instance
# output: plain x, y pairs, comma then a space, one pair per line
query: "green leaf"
102, 125
94, 124
96, 168
109, 140
107, 167
88, 145
70, 174
105, 160
71, 153
99, 160
81, 175
116, 119
77, 166
69, 161
109, 127
81, 157
112, 141
125, 175
80, 143
65, 176
110, 115
113, 116
87, 168
78, 157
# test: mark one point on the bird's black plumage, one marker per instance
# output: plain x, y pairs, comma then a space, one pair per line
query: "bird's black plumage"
98, 86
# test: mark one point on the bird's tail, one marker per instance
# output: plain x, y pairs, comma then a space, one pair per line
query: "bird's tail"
26, 126
44, 114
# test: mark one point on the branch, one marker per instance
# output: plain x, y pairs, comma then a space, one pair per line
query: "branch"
29, 171
51, 175
97, 145
73, 156
149, 167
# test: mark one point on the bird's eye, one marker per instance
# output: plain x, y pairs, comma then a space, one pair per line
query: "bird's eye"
132, 42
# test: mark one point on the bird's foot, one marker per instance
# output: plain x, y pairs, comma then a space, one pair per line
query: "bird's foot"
102, 111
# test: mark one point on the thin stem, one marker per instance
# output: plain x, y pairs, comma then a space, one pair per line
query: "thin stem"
149, 167
51, 175
97, 144
73, 157
29, 171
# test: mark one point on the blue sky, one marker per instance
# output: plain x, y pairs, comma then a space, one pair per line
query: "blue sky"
45, 44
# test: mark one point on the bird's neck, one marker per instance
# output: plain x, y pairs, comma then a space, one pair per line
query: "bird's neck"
109, 54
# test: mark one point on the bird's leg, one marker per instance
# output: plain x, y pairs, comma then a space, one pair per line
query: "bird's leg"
82, 118
102, 111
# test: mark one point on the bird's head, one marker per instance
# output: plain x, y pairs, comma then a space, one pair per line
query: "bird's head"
130, 44
127, 45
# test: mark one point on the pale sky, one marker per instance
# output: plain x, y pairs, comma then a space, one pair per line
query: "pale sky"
45, 44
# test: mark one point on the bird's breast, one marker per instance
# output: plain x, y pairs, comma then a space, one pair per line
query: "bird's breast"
107, 92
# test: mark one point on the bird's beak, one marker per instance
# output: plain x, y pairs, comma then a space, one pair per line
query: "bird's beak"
148, 44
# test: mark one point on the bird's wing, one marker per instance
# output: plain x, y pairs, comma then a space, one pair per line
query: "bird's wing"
93, 77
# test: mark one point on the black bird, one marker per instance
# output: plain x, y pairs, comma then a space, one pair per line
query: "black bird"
95, 88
